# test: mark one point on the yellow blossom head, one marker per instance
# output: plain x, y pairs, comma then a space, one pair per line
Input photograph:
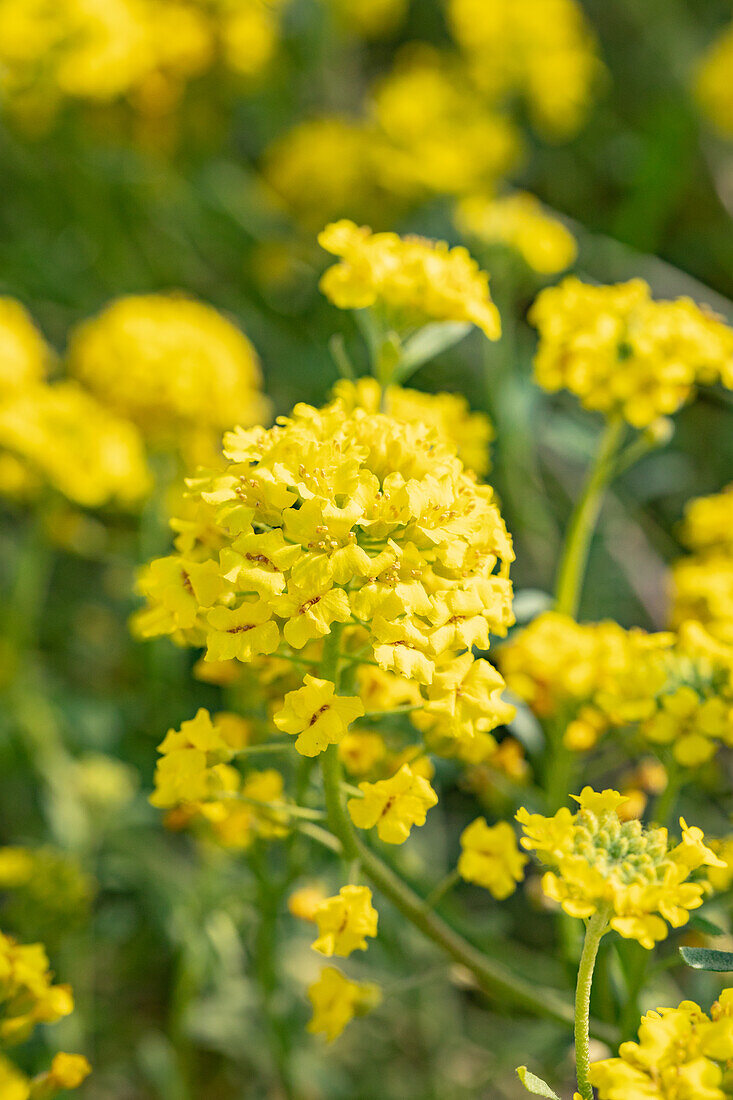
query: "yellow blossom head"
622, 353
24, 354
174, 365
410, 279
601, 863
393, 805
519, 222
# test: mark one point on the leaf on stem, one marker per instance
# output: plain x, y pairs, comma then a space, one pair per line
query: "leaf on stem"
703, 958
535, 1084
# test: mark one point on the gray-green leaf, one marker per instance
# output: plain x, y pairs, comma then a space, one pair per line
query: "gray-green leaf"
535, 1084
703, 958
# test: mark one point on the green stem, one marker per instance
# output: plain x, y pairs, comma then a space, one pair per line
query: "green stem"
444, 887
571, 571
665, 803
595, 930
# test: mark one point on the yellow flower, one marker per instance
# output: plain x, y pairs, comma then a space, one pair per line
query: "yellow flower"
303, 903
174, 365
24, 354
66, 439
67, 1071
393, 805
242, 633
519, 222
702, 589
712, 82
236, 822
434, 133
622, 353
721, 878
541, 50
336, 1000
318, 715
14, 1085
600, 862
187, 770
27, 995
463, 704
412, 279
469, 432
681, 1055
490, 857
344, 922
708, 523
360, 751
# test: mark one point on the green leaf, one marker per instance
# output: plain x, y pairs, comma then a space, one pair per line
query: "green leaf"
535, 1084
702, 958
697, 923
427, 343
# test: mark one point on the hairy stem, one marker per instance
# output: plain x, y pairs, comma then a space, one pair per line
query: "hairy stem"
574, 559
595, 930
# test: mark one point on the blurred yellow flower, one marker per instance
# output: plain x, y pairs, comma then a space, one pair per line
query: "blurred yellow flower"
175, 366
713, 85
519, 222
344, 922
542, 51
336, 1000
491, 858
24, 354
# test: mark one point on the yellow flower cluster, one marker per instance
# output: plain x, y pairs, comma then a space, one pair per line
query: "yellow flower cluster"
144, 50
29, 997
410, 279
622, 353
336, 1000
46, 891
673, 690
539, 50
57, 435
702, 582
336, 517
469, 433
434, 132
518, 221
195, 779
601, 863
682, 1054
490, 857
712, 84
427, 131
174, 366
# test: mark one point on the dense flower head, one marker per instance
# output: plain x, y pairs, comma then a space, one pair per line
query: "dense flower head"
24, 354
175, 366
621, 352
671, 689
435, 133
490, 857
144, 50
344, 922
470, 433
411, 279
681, 1054
518, 221
61, 437
600, 862
393, 805
539, 50
336, 1000
338, 520
713, 85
